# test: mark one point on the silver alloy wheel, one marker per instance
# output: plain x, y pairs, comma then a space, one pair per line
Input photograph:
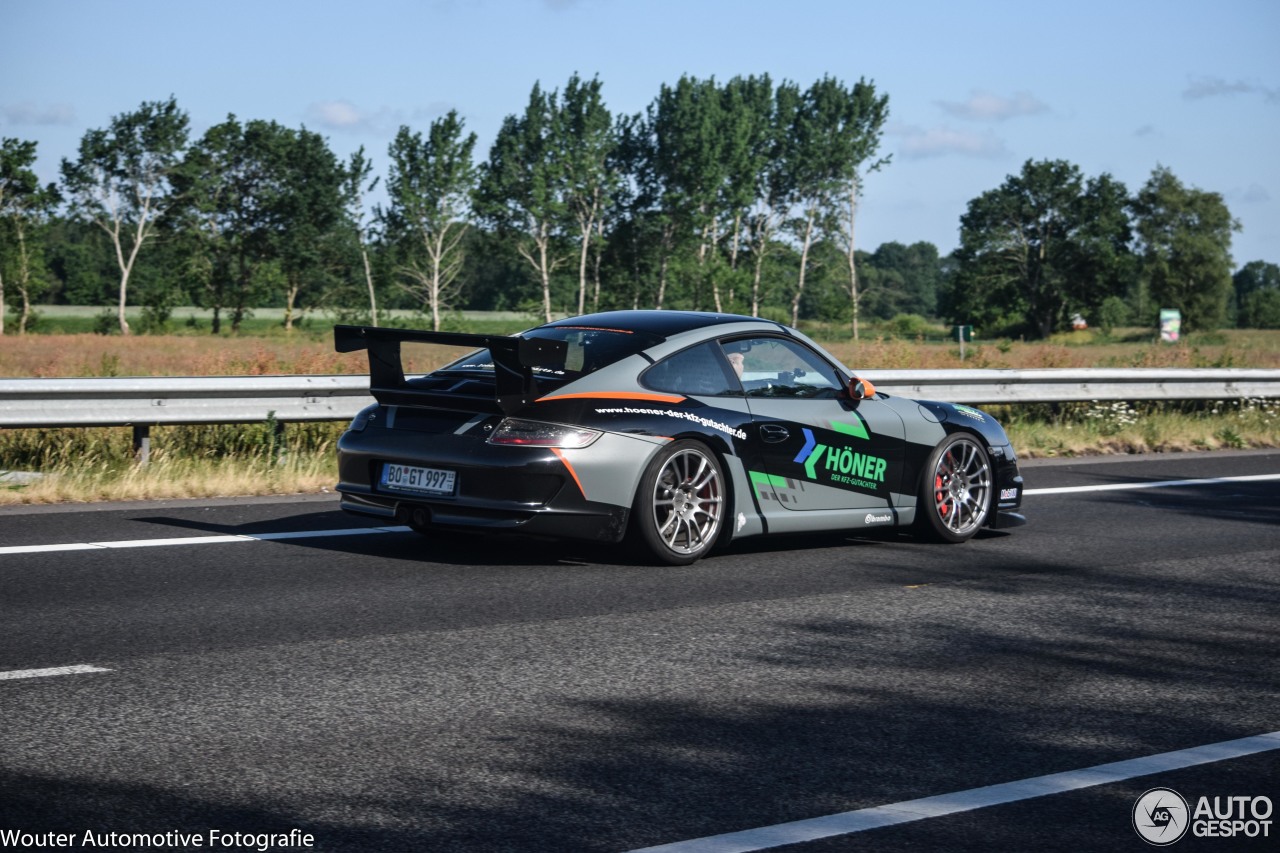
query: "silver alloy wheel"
688, 500
962, 488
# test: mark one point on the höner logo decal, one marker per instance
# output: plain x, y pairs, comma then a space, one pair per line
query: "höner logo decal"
841, 464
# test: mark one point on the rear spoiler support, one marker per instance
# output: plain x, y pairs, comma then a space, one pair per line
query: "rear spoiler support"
514, 360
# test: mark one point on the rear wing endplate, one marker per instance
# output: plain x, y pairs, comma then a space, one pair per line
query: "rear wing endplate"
514, 361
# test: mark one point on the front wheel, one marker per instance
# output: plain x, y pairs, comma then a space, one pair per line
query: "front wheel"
680, 505
955, 494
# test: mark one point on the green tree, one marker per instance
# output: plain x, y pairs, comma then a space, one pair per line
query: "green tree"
521, 189
356, 182
1257, 295
690, 170
431, 184
1185, 237
772, 185
80, 262
901, 279
1043, 245
586, 141
120, 180
25, 207
310, 207
836, 130
233, 183
642, 239
748, 122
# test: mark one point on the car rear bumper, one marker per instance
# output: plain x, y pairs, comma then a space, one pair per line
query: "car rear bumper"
594, 522
524, 490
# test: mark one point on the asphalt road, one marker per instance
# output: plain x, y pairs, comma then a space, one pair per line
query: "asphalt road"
385, 691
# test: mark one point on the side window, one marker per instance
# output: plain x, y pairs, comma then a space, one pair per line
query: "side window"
774, 367
700, 371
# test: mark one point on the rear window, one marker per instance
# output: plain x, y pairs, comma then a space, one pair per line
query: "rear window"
588, 349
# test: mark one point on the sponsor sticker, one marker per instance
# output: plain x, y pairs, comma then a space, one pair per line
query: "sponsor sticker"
840, 464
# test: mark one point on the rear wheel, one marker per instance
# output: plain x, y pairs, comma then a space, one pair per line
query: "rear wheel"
955, 494
680, 506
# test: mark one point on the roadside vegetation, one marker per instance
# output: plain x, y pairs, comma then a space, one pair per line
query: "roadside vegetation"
252, 459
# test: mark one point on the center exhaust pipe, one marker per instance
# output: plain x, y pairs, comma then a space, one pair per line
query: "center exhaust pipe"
417, 517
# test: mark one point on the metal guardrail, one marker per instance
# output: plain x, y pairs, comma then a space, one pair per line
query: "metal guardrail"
128, 401
143, 402
1068, 385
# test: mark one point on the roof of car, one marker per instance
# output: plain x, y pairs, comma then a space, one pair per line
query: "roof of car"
663, 323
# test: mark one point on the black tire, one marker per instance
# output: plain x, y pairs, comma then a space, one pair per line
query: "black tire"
680, 505
955, 490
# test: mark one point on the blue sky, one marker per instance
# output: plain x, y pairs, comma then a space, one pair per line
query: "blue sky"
975, 89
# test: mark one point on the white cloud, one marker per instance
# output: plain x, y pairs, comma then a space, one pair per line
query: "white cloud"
1216, 87
342, 116
987, 106
917, 143
339, 115
1255, 194
30, 113
433, 110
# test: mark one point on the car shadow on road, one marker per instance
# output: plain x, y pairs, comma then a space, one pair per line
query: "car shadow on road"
333, 531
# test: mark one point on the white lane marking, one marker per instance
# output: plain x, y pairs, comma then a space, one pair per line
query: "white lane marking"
360, 531
200, 540
1163, 484
909, 811
55, 670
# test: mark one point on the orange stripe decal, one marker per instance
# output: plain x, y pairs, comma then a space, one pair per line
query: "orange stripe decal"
572, 473
617, 395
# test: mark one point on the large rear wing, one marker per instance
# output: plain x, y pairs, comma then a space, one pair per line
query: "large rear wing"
514, 361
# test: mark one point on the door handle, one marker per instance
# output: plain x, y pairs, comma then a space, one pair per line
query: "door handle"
772, 433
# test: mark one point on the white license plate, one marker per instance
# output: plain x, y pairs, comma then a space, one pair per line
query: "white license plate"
423, 481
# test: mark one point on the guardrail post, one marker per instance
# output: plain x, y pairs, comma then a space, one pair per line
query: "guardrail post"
142, 443
277, 441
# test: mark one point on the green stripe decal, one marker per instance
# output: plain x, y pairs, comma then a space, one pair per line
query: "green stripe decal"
858, 429
759, 478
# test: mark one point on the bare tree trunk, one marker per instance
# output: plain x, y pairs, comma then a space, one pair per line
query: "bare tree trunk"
26, 312
733, 254
582, 267
546, 277
662, 281
126, 266
853, 269
24, 281
804, 263
664, 266
705, 246
762, 230
290, 297
368, 278
586, 224
596, 259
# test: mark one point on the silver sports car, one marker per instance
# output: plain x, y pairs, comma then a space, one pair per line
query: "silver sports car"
677, 430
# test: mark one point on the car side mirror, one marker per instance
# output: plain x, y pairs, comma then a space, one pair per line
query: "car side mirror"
861, 389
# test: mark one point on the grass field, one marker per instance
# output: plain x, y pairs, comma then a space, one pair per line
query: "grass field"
97, 464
